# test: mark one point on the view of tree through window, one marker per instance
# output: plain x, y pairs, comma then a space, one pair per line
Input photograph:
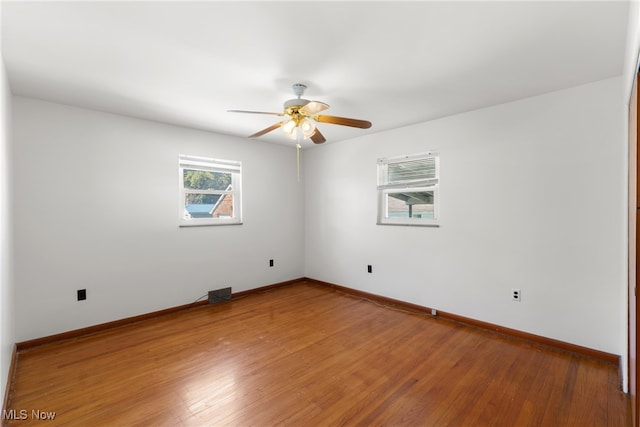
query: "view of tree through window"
210, 191
205, 180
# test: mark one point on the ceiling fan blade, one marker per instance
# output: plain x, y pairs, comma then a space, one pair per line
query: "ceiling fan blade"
266, 130
313, 107
254, 112
344, 121
317, 137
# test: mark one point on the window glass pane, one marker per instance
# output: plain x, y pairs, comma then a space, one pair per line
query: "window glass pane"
205, 180
410, 204
208, 206
224, 207
412, 170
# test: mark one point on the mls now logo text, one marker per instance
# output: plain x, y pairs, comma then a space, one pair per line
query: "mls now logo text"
23, 414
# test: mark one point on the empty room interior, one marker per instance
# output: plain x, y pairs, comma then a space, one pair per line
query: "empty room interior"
319, 213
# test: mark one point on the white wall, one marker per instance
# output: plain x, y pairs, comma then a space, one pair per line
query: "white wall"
532, 192
6, 278
533, 196
629, 76
96, 202
632, 48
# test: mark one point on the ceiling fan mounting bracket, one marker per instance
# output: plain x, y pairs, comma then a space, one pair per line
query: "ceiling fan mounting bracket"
298, 89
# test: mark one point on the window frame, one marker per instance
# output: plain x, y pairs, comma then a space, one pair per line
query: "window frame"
385, 187
206, 164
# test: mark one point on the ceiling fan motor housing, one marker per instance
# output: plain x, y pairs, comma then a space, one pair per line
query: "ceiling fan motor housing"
296, 102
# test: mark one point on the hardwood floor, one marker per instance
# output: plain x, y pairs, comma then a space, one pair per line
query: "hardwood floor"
307, 355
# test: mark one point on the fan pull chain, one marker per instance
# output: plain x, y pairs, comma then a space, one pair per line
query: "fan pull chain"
298, 160
298, 146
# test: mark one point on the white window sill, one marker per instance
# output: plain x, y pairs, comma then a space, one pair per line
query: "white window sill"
404, 224
208, 223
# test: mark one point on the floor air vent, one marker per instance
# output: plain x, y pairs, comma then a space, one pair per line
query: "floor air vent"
219, 295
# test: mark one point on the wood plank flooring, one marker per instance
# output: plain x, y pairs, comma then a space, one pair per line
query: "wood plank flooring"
306, 355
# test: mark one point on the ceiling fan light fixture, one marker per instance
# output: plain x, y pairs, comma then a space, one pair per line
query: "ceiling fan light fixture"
289, 129
307, 127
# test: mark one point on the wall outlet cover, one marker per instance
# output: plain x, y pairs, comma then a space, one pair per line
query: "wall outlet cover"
516, 295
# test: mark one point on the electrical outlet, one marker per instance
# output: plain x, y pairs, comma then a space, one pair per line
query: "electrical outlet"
516, 295
270, 263
82, 294
369, 269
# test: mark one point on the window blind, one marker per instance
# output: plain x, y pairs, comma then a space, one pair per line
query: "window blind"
414, 171
210, 165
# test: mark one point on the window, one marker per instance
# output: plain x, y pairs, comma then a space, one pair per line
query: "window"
210, 191
408, 190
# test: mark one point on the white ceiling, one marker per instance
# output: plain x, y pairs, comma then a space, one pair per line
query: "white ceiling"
393, 63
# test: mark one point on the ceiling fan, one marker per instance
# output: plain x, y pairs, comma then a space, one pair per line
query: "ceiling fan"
300, 117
